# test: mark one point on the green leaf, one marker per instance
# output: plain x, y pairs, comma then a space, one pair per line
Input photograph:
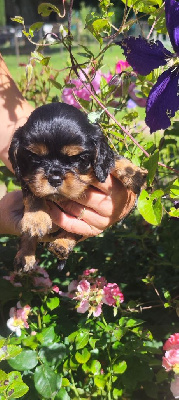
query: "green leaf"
83, 357
29, 72
82, 339
97, 26
174, 189
35, 27
45, 381
151, 164
100, 381
95, 367
53, 303
30, 341
149, 207
45, 9
84, 55
62, 395
9, 351
53, 354
45, 61
18, 389
65, 382
72, 336
2, 341
14, 375
47, 336
55, 83
117, 393
120, 367
18, 19
95, 116
26, 360
174, 212
3, 378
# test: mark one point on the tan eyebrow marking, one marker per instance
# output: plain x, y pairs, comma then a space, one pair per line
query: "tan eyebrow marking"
71, 150
40, 149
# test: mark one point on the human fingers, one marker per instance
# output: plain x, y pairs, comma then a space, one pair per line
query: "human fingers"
113, 206
87, 214
72, 223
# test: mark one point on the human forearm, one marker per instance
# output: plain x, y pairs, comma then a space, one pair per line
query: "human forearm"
14, 110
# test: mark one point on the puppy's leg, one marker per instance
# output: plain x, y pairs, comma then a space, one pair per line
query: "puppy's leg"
25, 257
130, 175
35, 224
63, 246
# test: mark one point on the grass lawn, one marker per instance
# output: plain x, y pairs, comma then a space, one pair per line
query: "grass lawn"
61, 59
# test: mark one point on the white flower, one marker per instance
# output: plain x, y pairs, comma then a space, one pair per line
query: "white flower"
18, 318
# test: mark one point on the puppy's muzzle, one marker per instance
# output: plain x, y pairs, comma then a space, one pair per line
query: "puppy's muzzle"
54, 177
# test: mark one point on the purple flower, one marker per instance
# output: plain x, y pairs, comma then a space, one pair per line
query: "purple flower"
144, 56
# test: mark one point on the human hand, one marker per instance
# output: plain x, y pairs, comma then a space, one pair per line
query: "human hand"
104, 204
101, 207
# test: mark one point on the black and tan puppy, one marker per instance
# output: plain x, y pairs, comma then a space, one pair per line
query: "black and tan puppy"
56, 155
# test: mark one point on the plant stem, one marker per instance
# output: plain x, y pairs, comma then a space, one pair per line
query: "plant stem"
73, 387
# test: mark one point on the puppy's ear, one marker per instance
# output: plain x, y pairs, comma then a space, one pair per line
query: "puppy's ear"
104, 159
13, 153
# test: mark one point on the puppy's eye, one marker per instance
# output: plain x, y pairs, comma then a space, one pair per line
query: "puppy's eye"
85, 159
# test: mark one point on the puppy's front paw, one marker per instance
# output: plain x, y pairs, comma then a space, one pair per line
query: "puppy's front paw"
24, 263
131, 176
62, 247
36, 224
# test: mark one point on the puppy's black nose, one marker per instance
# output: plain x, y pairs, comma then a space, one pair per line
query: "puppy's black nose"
54, 178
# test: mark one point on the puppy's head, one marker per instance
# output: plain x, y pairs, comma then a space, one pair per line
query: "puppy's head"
58, 152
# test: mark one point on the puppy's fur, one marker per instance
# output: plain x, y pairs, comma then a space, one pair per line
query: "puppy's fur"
56, 155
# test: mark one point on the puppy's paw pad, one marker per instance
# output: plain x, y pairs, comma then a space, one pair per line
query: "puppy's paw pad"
36, 224
61, 252
24, 263
131, 176
134, 179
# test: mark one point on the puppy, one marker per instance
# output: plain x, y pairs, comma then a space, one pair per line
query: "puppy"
56, 155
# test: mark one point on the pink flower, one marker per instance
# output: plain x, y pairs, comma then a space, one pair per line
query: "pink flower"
12, 279
83, 306
90, 298
174, 387
89, 271
101, 282
91, 292
111, 294
121, 66
42, 283
96, 310
55, 289
18, 318
172, 342
41, 280
171, 359
80, 89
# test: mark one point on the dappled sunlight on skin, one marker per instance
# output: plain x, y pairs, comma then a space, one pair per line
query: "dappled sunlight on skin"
14, 110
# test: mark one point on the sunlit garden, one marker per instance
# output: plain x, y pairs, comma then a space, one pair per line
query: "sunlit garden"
106, 325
